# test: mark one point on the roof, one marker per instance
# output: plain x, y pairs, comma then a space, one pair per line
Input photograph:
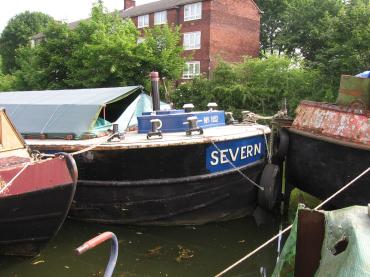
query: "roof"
155, 6
162, 5
60, 112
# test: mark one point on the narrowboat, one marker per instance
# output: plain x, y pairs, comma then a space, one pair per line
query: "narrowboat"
329, 144
35, 193
141, 162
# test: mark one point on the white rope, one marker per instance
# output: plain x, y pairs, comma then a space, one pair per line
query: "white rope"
14, 178
289, 227
91, 147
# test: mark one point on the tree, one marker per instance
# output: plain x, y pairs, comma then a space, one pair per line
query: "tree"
18, 33
100, 52
103, 51
271, 25
304, 23
347, 41
161, 51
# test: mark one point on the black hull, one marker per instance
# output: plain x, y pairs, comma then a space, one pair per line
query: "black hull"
28, 221
321, 168
160, 186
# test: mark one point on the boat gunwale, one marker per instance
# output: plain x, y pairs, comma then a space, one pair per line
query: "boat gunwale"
172, 140
330, 139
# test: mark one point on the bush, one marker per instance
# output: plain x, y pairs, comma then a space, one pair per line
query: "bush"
258, 85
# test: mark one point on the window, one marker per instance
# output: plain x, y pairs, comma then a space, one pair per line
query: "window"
193, 11
143, 21
160, 18
191, 70
191, 40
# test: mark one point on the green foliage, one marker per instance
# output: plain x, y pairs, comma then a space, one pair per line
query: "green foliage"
347, 42
100, 52
103, 52
258, 85
271, 25
304, 23
332, 36
18, 33
161, 51
7, 82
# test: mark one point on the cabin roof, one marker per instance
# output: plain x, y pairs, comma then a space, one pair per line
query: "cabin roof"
60, 112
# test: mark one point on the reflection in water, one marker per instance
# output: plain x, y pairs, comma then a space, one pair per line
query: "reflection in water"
154, 251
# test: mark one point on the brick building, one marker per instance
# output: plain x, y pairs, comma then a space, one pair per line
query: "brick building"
210, 28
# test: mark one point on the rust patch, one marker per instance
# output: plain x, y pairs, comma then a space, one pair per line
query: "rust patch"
342, 123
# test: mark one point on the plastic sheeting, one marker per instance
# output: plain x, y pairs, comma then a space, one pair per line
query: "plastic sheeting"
60, 112
352, 223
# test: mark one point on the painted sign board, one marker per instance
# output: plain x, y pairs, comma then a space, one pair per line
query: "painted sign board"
239, 152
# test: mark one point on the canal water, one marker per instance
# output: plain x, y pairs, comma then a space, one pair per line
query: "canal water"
154, 251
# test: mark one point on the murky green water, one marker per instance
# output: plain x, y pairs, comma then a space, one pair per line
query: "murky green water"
153, 251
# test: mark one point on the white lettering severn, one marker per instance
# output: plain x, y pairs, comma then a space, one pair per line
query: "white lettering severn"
239, 153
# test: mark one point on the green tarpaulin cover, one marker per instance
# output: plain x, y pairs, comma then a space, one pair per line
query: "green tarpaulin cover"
59, 112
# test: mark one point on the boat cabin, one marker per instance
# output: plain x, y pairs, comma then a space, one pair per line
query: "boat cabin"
11, 142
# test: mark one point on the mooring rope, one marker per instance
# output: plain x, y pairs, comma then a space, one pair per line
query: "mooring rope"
91, 147
289, 227
106, 138
15, 177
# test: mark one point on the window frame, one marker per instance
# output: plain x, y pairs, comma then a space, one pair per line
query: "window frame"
160, 13
193, 45
145, 23
187, 75
193, 11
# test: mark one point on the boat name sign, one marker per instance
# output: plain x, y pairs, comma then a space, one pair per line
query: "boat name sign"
239, 152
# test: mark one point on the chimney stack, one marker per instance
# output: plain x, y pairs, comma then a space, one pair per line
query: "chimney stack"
129, 4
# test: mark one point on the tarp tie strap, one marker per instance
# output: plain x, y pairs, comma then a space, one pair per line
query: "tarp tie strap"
289, 227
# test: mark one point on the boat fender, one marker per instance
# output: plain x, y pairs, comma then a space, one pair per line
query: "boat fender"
267, 197
281, 144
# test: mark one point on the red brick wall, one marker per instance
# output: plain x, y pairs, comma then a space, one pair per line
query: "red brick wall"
229, 28
235, 30
202, 25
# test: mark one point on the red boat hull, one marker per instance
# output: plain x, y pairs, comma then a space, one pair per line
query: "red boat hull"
34, 206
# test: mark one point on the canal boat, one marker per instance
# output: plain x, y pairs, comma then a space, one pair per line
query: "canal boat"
35, 194
329, 144
156, 165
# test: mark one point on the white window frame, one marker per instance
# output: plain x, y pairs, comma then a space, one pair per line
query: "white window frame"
143, 21
192, 40
191, 70
193, 11
160, 18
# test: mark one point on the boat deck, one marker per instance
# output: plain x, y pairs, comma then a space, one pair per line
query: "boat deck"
135, 140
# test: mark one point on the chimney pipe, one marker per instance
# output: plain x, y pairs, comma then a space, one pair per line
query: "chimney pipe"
154, 76
129, 4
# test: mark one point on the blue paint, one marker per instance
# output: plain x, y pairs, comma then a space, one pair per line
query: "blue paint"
240, 152
173, 120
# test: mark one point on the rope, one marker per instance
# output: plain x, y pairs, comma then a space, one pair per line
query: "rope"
91, 147
289, 227
15, 177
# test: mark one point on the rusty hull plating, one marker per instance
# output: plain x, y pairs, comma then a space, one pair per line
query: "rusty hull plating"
343, 124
